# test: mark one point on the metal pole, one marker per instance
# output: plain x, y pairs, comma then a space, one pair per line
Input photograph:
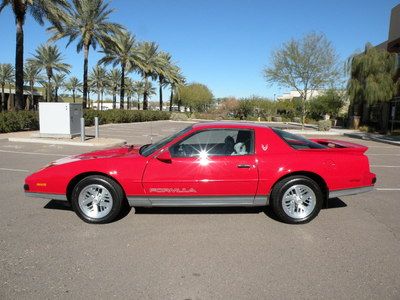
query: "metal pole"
82, 129
96, 127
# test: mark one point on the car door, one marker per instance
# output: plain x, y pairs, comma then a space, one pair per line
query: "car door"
209, 167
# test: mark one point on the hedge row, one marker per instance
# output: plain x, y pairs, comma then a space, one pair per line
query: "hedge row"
29, 120
17, 121
124, 116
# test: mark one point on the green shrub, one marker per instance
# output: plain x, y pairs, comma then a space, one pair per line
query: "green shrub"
178, 116
324, 125
18, 121
276, 119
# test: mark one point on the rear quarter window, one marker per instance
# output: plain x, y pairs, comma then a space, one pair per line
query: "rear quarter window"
297, 142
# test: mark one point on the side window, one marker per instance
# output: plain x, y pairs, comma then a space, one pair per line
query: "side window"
216, 142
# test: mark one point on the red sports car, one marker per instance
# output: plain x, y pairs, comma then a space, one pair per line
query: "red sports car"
209, 164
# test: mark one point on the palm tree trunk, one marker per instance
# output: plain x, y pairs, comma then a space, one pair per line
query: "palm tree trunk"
29, 100
138, 102
19, 64
122, 92
128, 102
49, 89
3, 100
85, 75
102, 98
73, 95
98, 99
170, 99
88, 99
56, 94
10, 100
115, 99
145, 104
160, 93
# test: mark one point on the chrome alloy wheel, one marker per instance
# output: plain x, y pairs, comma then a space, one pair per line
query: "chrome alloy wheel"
95, 201
299, 201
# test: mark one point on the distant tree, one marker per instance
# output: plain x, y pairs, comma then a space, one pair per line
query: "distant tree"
372, 78
31, 76
305, 65
40, 10
196, 96
330, 102
72, 85
49, 59
88, 21
6, 76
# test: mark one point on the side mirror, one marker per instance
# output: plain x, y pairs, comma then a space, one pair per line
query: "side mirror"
165, 156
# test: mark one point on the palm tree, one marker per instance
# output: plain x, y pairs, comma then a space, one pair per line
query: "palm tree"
175, 80
148, 67
58, 80
130, 91
121, 50
6, 76
98, 78
39, 9
48, 58
114, 80
46, 86
163, 72
31, 76
72, 85
138, 90
88, 21
147, 89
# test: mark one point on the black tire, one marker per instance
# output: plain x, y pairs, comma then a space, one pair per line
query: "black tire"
111, 186
283, 186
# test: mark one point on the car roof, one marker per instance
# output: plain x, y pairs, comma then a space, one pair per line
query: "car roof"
228, 124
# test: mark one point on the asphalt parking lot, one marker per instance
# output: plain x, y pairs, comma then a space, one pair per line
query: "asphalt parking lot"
351, 250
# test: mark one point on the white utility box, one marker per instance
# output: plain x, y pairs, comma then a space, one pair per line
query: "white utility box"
60, 119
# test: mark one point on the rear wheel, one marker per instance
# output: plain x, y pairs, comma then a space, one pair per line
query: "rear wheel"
97, 199
296, 199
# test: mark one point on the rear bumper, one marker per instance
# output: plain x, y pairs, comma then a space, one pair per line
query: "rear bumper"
347, 192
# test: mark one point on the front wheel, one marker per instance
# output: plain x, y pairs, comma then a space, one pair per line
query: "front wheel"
296, 199
97, 199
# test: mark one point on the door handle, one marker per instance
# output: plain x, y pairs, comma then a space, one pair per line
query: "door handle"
243, 166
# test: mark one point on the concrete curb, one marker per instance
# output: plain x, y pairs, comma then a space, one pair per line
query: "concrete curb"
372, 138
101, 142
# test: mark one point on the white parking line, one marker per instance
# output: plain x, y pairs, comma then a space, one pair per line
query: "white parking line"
33, 153
14, 170
378, 154
383, 166
387, 189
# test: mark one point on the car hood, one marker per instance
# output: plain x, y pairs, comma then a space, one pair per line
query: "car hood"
131, 150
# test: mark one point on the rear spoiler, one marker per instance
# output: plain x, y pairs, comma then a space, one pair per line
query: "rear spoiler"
341, 145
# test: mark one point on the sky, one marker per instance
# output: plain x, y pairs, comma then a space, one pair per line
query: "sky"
224, 44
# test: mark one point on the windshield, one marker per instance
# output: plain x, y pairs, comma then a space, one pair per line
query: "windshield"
296, 141
147, 150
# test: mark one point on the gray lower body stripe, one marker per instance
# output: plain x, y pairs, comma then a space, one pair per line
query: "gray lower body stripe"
47, 196
348, 192
198, 201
